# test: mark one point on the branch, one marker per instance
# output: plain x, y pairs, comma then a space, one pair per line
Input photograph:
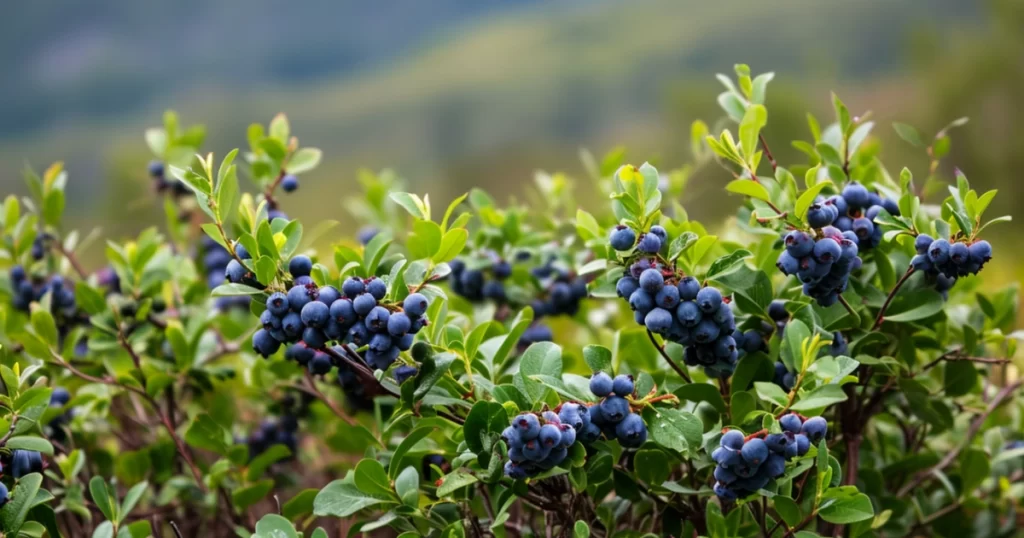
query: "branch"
951, 456
957, 355
71, 258
10, 431
768, 152
661, 349
888, 300
311, 389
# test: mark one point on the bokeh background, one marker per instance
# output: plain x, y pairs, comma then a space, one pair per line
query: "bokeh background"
459, 93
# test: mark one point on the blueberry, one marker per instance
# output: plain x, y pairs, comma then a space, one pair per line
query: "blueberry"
377, 319
622, 238
291, 324
689, 288
639, 267
641, 301
314, 338
777, 310
561, 294
494, 290
300, 266
377, 288
863, 228
803, 444
754, 451
320, 364
17, 273
667, 297
568, 435
404, 343
304, 281
688, 314
550, 435
300, 354
709, 299
626, 286
341, 311
980, 252
601, 384
921, 262
819, 216
235, 272
364, 304
269, 321
315, 314
328, 294
502, 270
839, 203
569, 414
799, 243
527, 426
732, 439
591, 432
156, 169
614, 408
399, 324
366, 234
290, 183
264, 344
514, 471
60, 396
706, 332
724, 317
298, 297
550, 417
938, 251
277, 304
632, 432
21, 463
649, 243
815, 429
791, 423
380, 342
658, 320
856, 195
724, 493
724, 347
353, 287
922, 242
418, 324
622, 385
535, 450
415, 305
827, 251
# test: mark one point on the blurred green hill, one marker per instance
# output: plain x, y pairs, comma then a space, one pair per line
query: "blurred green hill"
455, 97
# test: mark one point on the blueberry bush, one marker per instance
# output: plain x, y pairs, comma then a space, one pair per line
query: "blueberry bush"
827, 362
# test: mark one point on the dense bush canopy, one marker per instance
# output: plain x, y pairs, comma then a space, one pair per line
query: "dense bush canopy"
826, 363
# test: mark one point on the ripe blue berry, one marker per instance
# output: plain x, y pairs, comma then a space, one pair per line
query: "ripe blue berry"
377, 319
399, 324
156, 169
353, 287
622, 385
314, 338
922, 242
568, 435
550, 435
688, 314
632, 431
938, 251
827, 251
706, 332
614, 408
626, 286
799, 243
601, 384
380, 342
649, 243
527, 426
300, 266
709, 299
815, 429
959, 253
856, 195
363, 304
264, 344
315, 314
277, 304
689, 288
754, 451
819, 216
515, 471
622, 238
980, 252
291, 324
320, 364
290, 183
298, 297
667, 297
791, 423
235, 271
658, 320
863, 227
415, 305
328, 294
377, 288
732, 439
641, 301
341, 311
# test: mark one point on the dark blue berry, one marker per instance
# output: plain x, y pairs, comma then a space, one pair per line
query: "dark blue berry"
415, 305
622, 238
290, 183
601, 384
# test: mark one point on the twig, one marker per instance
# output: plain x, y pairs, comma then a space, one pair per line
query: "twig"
312, 390
487, 502
951, 456
810, 517
174, 527
661, 349
957, 355
71, 258
768, 152
846, 305
888, 300
10, 431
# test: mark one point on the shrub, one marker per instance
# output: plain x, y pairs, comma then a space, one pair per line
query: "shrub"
828, 364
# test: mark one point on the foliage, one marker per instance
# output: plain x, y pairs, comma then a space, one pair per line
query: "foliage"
435, 377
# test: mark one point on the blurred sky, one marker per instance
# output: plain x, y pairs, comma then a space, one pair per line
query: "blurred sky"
459, 93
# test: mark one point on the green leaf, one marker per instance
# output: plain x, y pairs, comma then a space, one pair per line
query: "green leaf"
959, 378
702, 392
843, 508
580, 530
131, 499
679, 245
247, 496
727, 264
451, 245
404, 447
14, 512
30, 442
542, 358
651, 466
44, 326
425, 239
974, 469
206, 434
234, 290
772, 393
407, 486
483, 419
275, 526
674, 429
788, 510
820, 397
909, 134
598, 358
89, 299
259, 464
454, 481
411, 203
754, 119
807, 198
101, 498
372, 479
342, 499
748, 187
304, 160
300, 505
915, 305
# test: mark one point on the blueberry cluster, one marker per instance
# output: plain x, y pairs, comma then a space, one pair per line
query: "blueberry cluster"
25, 462
28, 290
746, 465
236, 273
623, 238
536, 332
215, 260
55, 428
822, 265
273, 432
536, 444
853, 211
162, 184
482, 283
944, 261
612, 416
563, 291
684, 312
316, 316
